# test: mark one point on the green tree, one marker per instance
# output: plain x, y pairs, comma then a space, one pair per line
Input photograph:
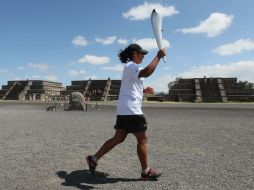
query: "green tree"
248, 85
172, 83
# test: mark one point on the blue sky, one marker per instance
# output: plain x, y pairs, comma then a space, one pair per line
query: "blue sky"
66, 40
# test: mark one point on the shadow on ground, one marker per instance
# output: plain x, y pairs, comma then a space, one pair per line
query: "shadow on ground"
83, 179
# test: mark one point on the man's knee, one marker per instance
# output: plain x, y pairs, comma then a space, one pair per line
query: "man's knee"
118, 140
143, 140
121, 140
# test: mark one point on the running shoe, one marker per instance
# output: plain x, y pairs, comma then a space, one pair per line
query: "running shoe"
92, 164
151, 175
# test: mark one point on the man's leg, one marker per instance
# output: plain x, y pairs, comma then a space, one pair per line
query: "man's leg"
118, 138
142, 149
147, 172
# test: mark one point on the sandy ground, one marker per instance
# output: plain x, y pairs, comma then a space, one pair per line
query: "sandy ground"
195, 146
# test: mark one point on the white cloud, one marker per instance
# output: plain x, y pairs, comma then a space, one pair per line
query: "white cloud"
117, 68
74, 73
214, 25
21, 68
150, 43
79, 41
106, 41
243, 70
235, 47
122, 41
92, 59
144, 11
17, 78
166, 68
161, 83
51, 78
35, 77
92, 77
40, 66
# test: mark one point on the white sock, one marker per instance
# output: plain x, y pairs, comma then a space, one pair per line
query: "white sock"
94, 158
146, 170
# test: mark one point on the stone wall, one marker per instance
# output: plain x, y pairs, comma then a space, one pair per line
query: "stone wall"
186, 90
210, 90
95, 90
30, 90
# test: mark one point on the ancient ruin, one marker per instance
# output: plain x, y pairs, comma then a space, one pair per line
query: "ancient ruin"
95, 90
30, 90
209, 90
181, 90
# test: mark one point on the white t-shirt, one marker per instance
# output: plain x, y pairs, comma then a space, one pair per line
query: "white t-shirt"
131, 91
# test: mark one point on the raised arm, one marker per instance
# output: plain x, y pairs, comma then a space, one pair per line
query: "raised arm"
149, 69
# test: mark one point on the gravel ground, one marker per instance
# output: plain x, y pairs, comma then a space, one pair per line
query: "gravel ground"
195, 146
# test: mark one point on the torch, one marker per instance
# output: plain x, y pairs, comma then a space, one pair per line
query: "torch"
157, 29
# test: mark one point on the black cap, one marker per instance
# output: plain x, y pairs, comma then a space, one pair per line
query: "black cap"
136, 47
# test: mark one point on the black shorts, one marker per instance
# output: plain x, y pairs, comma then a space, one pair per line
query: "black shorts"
131, 123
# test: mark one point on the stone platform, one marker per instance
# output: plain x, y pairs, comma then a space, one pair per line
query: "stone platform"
30, 90
95, 90
210, 90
